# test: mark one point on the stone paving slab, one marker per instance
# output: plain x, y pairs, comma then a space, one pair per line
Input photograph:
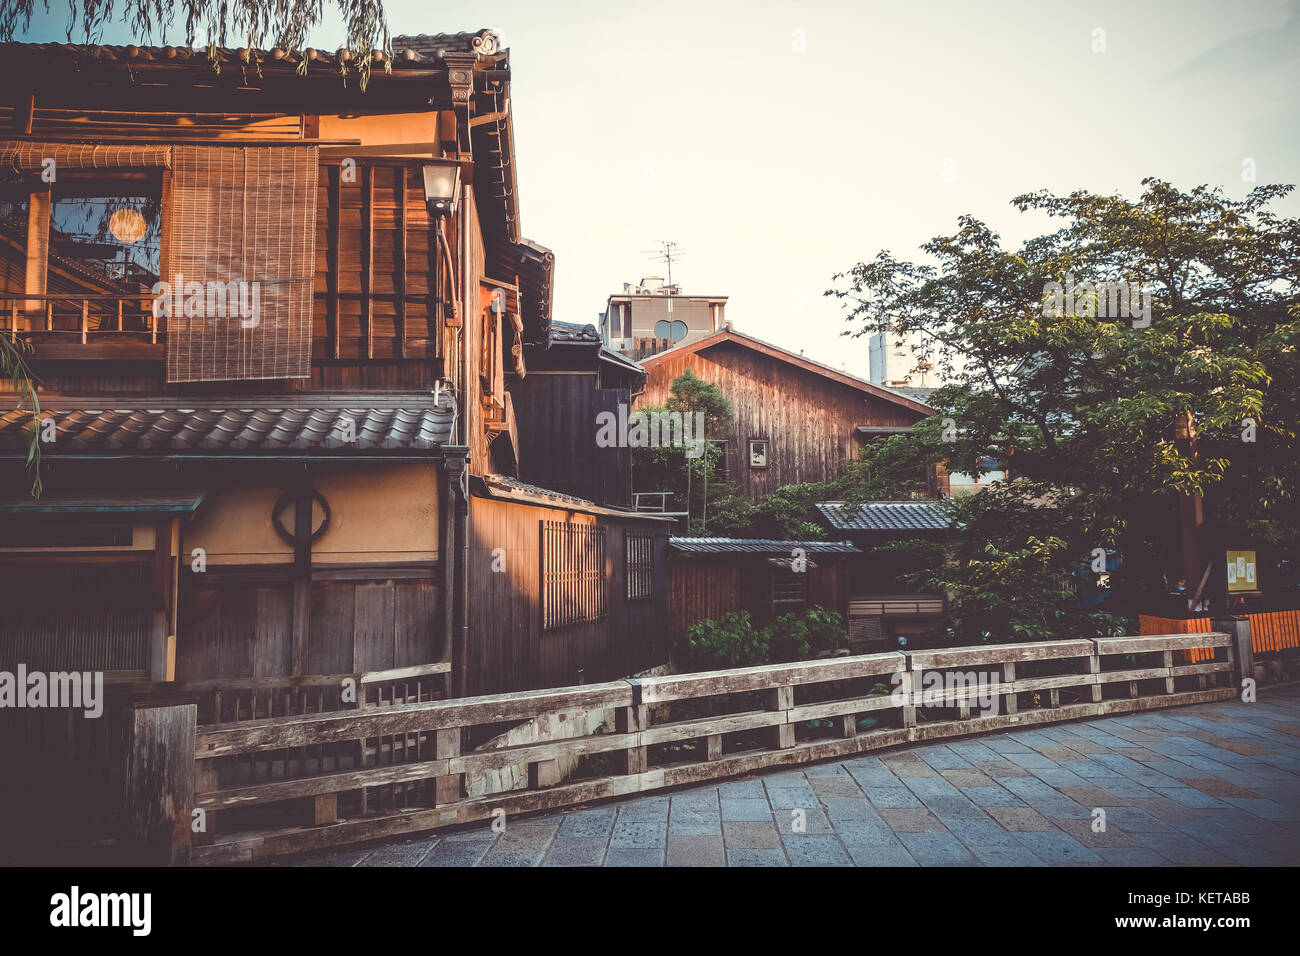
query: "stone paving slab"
1212, 784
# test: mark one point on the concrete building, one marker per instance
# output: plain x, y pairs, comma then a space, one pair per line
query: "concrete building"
652, 316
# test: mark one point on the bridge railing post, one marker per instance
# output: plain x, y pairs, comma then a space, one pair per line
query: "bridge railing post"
159, 782
1240, 651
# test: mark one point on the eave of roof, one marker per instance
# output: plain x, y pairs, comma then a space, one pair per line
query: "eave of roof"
410, 55
886, 516
728, 334
138, 426
167, 502
759, 546
507, 488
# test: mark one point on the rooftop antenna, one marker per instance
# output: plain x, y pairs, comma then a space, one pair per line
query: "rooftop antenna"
667, 252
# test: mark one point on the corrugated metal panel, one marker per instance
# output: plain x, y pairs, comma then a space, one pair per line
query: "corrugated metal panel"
884, 516
758, 546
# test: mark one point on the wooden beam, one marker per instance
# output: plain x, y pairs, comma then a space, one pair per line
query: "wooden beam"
368, 258
399, 271
301, 574
332, 263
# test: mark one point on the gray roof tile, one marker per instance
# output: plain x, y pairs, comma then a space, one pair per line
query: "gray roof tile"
884, 516
244, 430
758, 546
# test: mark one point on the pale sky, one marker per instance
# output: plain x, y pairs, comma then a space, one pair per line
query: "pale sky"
781, 142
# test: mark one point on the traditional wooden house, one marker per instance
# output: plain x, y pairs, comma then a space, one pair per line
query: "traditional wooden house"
881, 607
796, 419
711, 577
284, 330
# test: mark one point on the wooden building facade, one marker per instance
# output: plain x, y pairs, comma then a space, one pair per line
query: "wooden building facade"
796, 420
306, 489
711, 577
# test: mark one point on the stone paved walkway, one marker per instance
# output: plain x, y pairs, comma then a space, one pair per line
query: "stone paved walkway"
1209, 784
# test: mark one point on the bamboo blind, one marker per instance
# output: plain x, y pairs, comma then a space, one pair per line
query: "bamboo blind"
31, 157
242, 214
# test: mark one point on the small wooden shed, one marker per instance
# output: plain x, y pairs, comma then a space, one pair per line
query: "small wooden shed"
709, 577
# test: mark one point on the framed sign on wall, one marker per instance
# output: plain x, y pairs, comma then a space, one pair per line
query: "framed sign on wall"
1242, 572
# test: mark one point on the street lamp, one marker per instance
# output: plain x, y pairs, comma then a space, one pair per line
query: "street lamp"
441, 187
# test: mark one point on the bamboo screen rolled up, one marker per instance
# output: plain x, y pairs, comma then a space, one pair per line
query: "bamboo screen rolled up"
34, 157
241, 223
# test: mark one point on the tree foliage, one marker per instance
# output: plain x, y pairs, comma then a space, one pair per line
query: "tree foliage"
1092, 409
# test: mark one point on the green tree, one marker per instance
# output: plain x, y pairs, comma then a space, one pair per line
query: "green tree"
687, 472
1090, 407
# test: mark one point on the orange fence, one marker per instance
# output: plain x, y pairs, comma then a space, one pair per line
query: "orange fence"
1269, 631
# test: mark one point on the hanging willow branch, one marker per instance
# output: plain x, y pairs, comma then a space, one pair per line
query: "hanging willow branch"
13, 365
283, 24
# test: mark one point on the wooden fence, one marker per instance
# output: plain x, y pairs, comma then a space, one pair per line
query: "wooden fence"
662, 732
1270, 631
66, 785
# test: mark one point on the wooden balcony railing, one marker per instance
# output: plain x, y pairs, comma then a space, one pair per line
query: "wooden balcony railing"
661, 732
75, 319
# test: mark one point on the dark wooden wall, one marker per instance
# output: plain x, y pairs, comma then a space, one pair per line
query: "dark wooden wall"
702, 588
239, 623
508, 650
77, 614
557, 413
808, 420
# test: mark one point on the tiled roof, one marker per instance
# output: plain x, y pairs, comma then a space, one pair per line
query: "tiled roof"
509, 488
168, 428
884, 516
409, 52
573, 332
163, 502
758, 546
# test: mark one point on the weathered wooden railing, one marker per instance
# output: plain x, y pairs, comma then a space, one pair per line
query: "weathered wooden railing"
82, 315
673, 730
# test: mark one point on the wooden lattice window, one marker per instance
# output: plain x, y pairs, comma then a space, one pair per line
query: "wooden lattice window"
573, 573
639, 564
789, 591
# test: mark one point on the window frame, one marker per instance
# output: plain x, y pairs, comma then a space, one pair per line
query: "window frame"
639, 570
573, 574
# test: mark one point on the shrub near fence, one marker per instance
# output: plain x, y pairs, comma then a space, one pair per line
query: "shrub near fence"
1107, 675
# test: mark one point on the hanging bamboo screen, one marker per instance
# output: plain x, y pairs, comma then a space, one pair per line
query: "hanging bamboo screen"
241, 214
32, 157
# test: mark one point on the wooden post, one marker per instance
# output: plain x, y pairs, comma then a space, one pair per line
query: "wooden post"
848, 725
1240, 652
302, 523
782, 699
1167, 659
543, 773
447, 789
1094, 668
633, 720
1054, 697
713, 747
1009, 702
160, 783
908, 688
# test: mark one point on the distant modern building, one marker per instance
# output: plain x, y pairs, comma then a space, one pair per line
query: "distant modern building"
893, 361
651, 316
